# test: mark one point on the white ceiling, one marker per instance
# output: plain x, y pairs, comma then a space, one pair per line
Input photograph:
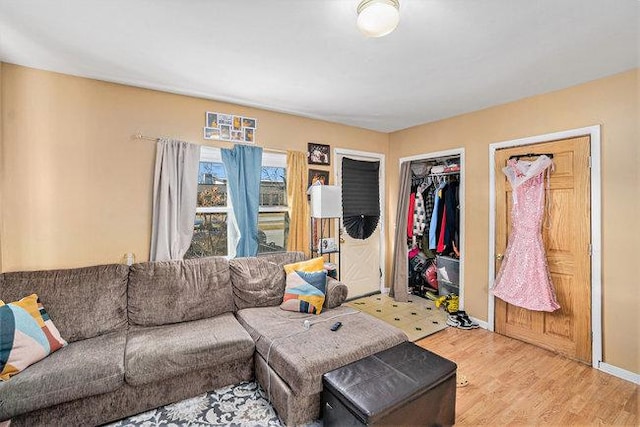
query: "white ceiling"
306, 57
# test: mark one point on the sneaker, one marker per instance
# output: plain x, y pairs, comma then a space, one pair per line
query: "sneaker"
458, 321
466, 320
452, 320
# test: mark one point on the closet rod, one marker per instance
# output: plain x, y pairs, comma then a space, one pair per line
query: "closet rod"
151, 138
445, 173
519, 156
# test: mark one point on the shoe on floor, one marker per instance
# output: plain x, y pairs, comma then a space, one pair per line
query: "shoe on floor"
452, 320
467, 320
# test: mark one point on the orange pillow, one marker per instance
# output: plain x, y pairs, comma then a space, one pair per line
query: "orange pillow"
309, 266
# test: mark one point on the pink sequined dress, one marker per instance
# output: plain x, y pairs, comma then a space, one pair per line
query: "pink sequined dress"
523, 279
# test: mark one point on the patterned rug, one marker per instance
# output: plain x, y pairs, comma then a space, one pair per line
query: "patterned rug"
417, 318
240, 405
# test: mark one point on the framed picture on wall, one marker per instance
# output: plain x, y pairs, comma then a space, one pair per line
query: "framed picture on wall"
318, 154
211, 133
212, 120
230, 127
316, 175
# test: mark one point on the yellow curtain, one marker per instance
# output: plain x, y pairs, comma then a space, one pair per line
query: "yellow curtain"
297, 201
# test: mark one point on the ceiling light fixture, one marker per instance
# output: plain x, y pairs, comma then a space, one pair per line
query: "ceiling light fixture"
377, 18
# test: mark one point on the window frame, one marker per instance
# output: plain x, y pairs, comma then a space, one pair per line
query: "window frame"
269, 159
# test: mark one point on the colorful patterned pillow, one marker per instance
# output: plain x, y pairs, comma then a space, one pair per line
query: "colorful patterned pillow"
312, 265
305, 292
27, 335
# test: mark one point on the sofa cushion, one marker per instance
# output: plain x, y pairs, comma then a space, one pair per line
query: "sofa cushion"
27, 335
164, 292
85, 302
283, 258
259, 281
157, 353
83, 368
301, 356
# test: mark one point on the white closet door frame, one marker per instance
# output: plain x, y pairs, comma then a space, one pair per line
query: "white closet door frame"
596, 237
382, 184
448, 153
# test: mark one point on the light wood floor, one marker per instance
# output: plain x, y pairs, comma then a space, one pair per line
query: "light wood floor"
511, 382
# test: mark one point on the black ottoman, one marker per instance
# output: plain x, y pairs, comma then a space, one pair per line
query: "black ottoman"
404, 385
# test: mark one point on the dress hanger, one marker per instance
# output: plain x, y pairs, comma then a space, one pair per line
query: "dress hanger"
519, 156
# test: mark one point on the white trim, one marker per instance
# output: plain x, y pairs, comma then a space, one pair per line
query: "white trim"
460, 152
620, 373
596, 237
383, 216
482, 323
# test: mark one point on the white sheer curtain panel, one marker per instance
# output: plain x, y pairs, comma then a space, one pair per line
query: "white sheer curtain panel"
175, 192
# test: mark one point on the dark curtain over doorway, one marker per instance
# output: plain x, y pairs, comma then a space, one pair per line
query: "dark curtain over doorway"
360, 197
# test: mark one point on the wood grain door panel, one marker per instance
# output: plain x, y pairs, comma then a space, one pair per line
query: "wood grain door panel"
566, 237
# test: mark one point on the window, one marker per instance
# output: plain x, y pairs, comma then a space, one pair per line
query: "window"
214, 226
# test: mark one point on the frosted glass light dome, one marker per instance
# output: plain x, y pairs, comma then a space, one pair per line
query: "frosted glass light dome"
377, 18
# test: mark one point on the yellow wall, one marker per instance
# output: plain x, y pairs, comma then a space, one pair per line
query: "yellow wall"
78, 188
611, 102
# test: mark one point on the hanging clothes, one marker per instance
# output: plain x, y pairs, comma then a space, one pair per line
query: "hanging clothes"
523, 279
433, 225
419, 217
450, 224
412, 204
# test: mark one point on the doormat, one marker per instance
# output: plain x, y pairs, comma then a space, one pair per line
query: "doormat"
418, 318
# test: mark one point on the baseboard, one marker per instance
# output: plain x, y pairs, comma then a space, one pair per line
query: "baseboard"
482, 323
619, 372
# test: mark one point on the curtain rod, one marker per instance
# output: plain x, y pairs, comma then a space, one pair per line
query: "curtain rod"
150, 138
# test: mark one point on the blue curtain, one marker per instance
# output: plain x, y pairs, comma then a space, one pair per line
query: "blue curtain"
243, 164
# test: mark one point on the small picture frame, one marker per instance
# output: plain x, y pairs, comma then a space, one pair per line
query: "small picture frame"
225, 120
225, 132
316, 175
211, 120
249, 135
318, 154
211, 133
248, 122
237, 123
237, 136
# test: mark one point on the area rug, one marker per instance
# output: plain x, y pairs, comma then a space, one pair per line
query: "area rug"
240, 405
418, 318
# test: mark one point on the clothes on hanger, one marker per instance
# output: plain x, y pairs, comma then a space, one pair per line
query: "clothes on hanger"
523, 279
432, 221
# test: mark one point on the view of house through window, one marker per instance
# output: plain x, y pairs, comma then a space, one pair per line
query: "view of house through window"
213, 224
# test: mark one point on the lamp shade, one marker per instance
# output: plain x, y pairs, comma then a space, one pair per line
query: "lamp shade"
326, 201
377, 18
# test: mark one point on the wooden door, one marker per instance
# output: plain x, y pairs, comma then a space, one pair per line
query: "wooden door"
567, 239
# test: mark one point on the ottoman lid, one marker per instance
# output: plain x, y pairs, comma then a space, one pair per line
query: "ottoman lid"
376, 385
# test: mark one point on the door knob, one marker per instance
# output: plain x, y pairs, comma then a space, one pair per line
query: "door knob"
499, 257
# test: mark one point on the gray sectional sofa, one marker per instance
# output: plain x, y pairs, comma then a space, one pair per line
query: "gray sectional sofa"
159, 332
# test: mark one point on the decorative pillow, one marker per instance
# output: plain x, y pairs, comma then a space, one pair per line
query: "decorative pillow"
312, 265
305, 292
27, 335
